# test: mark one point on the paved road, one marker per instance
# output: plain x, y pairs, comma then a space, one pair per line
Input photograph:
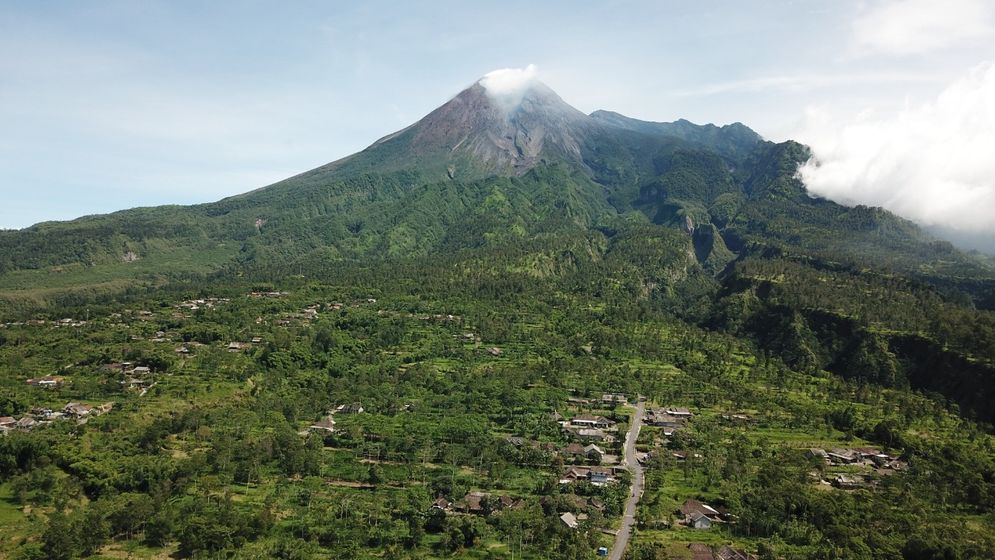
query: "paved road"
636, 492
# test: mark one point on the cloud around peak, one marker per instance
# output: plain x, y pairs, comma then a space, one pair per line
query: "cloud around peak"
930, 163
508, 85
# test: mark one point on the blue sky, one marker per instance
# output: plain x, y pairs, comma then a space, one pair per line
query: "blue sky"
109, 105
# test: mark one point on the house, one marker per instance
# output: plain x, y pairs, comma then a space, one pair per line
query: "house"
570, 520
613, 398
573, 474
503, 502
141, 370
234, 347
599, 476
843, 456
846, 482
134, 383
738, 418
77, 410
683, 455
7, 421
324, 426
573, 450
49, 381
680, 412
594, 453
26, 423
593, 434
869, 454
591, 421
661, 419
691, 507
354, 408
699, 521
602, 551
476, 503
818, 454
441, 503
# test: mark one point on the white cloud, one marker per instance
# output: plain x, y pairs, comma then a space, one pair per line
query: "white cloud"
907, 27
931, 163
804, 82
508, 85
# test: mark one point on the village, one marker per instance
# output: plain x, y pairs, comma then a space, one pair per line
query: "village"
39, 416
583, 454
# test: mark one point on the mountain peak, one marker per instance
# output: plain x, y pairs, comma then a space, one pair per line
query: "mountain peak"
508, 86
505, 122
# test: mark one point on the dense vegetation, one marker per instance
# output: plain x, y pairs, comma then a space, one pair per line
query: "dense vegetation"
466, 314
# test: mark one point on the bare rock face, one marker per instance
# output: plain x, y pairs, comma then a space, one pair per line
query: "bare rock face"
688, 225
505, 138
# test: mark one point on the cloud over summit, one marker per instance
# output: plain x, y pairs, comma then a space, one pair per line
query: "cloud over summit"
508, 85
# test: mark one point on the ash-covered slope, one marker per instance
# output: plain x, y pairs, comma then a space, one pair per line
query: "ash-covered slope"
477, 134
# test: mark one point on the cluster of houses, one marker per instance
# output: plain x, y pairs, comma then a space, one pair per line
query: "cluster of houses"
589, 428
41, 416
574, 453
268, 294
598, 476
879, 462
868, 456
438, 317
48, 381
483, 503
235, 347
606, 399
136, 377
67, 322
205, 303
589, 453
669, 419
478, 503
326, 425
303, 316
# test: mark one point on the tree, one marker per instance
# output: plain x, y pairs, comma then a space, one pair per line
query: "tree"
59, 539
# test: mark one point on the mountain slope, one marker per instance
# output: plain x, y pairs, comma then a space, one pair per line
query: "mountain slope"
727, 188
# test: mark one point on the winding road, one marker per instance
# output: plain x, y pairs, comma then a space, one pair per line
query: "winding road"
636, 491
